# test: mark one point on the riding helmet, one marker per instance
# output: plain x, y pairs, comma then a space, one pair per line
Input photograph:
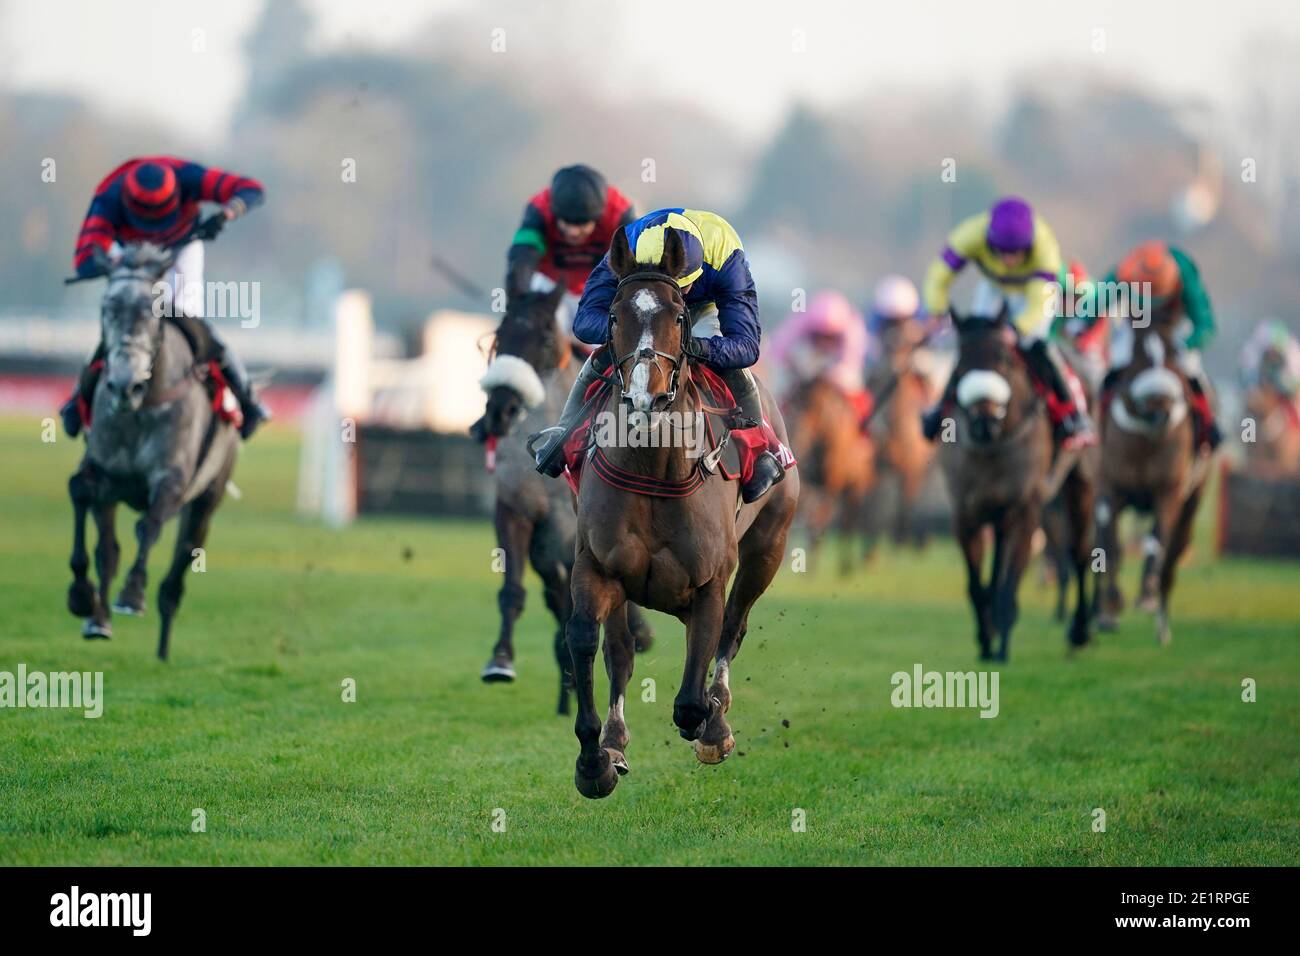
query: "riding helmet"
578, 194
150, 196
1011, 226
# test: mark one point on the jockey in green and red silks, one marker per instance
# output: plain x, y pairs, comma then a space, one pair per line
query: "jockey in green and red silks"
718, 289
1171, 282
157, 199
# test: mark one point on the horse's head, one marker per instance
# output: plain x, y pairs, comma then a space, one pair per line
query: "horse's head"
131, 325
991, 385
648, 324
529, 344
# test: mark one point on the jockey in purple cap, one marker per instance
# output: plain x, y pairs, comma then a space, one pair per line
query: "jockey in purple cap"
1020, 260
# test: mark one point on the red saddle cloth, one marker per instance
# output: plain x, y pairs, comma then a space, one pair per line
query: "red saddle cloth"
749, 442
223, 400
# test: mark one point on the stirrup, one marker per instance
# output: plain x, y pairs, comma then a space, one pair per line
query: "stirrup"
549, 458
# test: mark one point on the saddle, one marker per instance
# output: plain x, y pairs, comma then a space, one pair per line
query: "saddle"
730, 453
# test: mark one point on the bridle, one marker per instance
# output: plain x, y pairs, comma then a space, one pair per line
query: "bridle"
152, 397
664, 399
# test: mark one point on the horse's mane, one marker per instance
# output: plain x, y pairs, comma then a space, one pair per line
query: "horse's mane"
145, 256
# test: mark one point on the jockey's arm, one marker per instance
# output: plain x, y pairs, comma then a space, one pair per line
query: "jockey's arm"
527, 249
962, 243
238, 194
99, 231
737, 301
591, 322
1196, 302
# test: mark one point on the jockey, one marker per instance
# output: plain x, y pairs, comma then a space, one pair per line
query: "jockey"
827, 340
1282, 374
156, 199
1176, 292
565, 230
1081, 324
1021, 263
719, 292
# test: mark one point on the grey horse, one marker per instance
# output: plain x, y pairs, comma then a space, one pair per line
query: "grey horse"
156, 443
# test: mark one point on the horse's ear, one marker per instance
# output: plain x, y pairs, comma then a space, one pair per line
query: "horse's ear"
674, 260
621, 260
958, 322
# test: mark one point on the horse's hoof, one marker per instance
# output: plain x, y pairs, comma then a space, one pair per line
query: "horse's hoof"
1148, 604
92, 630
1163, 634
644, 641
602, 783
619, 761
499, 670
714, 753
125, 606
81, 599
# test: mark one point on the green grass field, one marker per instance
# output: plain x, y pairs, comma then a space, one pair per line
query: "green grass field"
247, 721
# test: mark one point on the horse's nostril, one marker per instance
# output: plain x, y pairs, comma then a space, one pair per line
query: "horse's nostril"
137, 389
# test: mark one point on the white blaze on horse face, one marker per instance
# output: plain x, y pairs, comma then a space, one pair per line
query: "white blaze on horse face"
647, 306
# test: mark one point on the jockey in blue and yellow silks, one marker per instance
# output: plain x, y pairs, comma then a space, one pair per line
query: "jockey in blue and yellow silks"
1020, 260
719, 292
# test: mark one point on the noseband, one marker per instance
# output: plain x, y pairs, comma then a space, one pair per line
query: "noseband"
683, 321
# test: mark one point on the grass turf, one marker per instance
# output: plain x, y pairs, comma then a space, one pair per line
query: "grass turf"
247, 721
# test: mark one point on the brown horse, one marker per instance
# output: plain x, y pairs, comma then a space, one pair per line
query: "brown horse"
997, 457
526, 384
1276, 448
672, 545
837, 463
904, 455
1150, 462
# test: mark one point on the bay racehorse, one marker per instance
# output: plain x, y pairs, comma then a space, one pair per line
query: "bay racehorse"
1276, 415
837, 463
526, 383
903, 393
671, 545
1000, 467
1151, 463
157, 444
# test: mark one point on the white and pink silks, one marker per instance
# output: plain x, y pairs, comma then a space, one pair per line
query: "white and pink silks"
827, 340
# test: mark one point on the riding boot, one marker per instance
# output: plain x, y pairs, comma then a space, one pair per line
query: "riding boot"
748, 413
1048, 367
82, 395
550, 455
1207, 431
236, 376
932, 420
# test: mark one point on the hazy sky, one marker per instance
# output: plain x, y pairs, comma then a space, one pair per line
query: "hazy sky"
736, 57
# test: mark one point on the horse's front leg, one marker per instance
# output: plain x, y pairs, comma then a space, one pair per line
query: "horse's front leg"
594, 598
620, 654
166, 489
1014, 545
514, 532
692, 708
970, 537
1108, 599
81, 593
107, 554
